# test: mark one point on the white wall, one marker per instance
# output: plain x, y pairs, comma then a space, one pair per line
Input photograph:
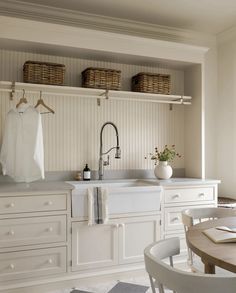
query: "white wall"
226, 118
210, 82
71, 136
175, 45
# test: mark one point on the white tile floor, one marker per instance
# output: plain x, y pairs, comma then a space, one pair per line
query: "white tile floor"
105, 287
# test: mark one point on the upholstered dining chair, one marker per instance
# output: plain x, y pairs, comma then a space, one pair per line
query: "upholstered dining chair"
194, 216
164, 275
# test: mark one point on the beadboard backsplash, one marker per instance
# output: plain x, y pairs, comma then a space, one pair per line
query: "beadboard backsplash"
71, 136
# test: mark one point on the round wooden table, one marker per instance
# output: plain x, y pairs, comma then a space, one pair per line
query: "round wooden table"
213, 254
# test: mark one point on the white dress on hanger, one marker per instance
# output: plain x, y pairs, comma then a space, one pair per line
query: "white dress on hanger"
22, 154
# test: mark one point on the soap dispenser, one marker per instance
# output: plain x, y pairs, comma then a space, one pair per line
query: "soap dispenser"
86, 173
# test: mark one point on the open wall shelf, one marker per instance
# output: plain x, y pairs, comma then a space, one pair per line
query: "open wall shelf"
17, 87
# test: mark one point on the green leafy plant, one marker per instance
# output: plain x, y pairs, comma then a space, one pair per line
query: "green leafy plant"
168, 154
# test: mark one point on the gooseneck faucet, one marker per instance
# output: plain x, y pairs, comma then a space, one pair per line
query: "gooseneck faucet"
103, 163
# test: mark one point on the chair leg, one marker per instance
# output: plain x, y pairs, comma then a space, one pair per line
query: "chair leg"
152, 284
190, 257
161, 288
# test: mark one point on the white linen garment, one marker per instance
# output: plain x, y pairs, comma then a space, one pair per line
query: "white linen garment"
22, 154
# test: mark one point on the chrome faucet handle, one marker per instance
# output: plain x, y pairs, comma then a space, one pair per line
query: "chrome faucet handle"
107, 163
118, 153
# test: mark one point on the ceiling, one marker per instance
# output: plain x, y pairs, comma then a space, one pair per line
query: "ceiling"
208, 16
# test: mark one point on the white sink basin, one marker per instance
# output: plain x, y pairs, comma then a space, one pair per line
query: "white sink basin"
124, 196
113, 183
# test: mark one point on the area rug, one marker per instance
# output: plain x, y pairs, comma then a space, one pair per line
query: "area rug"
121, 287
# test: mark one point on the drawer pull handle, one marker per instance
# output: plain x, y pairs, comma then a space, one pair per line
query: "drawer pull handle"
175, 196
11, 205
11, 232
50, 261
12, 266
175, 219
49, 203
50, 229
201, 194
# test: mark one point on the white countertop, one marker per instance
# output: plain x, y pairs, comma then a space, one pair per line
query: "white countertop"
65, 186
187, 181
160, 182
34, 187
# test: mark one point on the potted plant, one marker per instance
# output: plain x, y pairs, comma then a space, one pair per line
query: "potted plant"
163, 170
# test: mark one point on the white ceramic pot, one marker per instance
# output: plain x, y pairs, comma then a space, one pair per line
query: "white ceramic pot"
163, 170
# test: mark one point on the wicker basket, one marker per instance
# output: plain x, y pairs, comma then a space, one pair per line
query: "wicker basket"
151, 83
101, 78
44, 73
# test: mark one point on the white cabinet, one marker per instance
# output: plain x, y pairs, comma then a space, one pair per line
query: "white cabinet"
32, 263
178, 198
32, 230
135, 234
33, 235
40, 239
119, 242
32, 203
189, 194
94, 246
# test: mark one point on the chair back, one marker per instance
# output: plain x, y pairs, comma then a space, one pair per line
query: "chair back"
193, 216
177, 280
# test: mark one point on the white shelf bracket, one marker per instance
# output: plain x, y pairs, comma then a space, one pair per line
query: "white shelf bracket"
180, 100
13, 91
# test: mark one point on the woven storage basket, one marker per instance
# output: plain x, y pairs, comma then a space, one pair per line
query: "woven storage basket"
44, 73
151, 83
101, 78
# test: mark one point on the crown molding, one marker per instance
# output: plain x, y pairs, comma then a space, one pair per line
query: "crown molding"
49, 14
227, 36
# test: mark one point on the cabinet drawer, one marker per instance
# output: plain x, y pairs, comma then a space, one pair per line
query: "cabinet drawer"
189, 194
173, 217
35, 230
32, 203
32, 263
173, 220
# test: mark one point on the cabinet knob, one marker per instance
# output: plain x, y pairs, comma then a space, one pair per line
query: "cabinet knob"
49, 203
201, 194
50, 261
12, 266
175, 196
11, 205
175, 219
50, 229
11, 232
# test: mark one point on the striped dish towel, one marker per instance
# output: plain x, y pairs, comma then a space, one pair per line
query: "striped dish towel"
97, 205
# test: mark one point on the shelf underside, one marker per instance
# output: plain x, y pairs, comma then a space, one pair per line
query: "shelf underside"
17, 87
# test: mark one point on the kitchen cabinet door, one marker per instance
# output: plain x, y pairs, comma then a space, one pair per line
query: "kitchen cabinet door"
94, 246
135, 233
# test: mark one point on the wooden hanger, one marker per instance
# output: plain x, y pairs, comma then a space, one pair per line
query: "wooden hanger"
41, 102
22, 100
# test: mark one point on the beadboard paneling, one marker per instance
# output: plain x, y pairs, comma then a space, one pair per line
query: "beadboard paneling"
71, 136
